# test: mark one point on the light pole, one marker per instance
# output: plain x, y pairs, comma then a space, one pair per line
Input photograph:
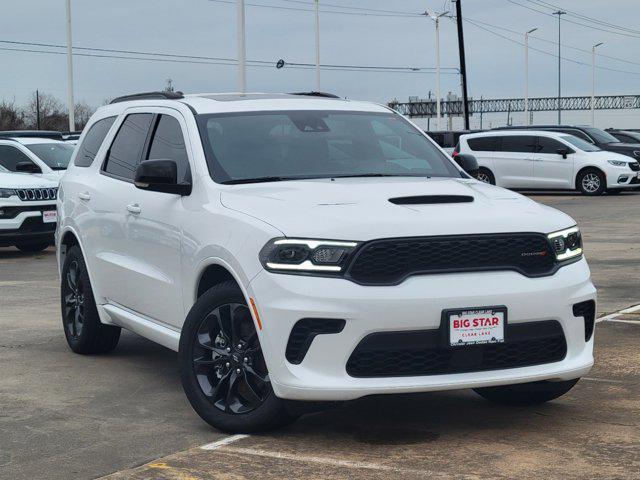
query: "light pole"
70, 102
526, 75
317, 5
559, 13
436, 18
242, 51
593, 83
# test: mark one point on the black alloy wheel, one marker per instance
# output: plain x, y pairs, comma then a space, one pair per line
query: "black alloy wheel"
222, 367
73, 301
228, 361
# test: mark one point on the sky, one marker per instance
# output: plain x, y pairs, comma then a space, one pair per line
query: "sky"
495, 65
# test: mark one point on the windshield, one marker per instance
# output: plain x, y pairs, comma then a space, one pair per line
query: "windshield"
601, 136
288, 145
55, 155
581, 144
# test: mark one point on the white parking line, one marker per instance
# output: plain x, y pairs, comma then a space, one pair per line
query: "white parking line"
613, 317
223, 441
335, 462
603, 380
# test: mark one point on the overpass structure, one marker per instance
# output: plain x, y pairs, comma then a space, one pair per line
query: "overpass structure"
427, 107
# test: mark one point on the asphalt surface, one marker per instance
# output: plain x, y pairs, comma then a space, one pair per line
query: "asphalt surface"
64, 416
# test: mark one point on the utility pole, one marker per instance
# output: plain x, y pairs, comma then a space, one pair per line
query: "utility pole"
593, 83
436, 18
463, 64
559, 13
70, 102
526, 75
37, 110
242, 51
317, 5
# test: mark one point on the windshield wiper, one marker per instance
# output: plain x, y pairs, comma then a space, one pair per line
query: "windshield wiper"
361, 175
261, 180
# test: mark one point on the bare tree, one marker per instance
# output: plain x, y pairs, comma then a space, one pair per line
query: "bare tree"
83, 112
53, 115
11, 118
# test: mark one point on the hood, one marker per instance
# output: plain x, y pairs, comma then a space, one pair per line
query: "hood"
360, 208
609, 155
25, 180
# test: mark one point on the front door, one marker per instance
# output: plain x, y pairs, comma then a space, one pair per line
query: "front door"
551, 169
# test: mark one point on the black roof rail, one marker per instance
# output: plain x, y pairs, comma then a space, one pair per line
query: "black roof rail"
148, 96
51, 134
316, 94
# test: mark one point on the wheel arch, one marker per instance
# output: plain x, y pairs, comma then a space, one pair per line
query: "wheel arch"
586, 168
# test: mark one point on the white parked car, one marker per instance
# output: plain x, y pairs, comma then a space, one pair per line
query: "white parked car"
43, 157
27, 211
526, 159
307, 248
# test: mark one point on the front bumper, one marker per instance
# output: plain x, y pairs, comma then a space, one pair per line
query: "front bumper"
623, 178
27, 226
416, 304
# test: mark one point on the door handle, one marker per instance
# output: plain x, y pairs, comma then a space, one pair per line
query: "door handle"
134, 209
86, 196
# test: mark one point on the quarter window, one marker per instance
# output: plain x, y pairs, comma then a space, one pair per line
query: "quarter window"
11, 156
89, 147
168, 144
126, 149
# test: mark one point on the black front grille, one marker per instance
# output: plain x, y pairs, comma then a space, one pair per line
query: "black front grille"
37, 194
635, 166
390, 261
427, 352
303, 333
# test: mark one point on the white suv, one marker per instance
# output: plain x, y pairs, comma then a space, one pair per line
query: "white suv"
529, 159
27, 211
307, 248
43, 157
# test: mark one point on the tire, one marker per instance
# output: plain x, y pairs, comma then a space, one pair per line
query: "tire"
219, 340
32, 247
591, 182
485, 175
524, 394
614, 191
82, 327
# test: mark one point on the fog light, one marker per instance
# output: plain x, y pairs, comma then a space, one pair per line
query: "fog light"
622, 179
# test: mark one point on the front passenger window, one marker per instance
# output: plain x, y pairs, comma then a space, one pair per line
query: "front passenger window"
126, 149
168, 144
10, 157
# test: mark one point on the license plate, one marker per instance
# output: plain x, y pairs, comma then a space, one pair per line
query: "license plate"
476, 326
49, 216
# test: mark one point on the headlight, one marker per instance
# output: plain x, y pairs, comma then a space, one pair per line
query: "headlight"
617, 163
566, 243
7, 192
304, 255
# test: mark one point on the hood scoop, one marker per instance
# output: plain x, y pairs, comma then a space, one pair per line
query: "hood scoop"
431, 199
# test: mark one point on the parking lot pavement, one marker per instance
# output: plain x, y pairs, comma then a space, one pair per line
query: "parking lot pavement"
67, 416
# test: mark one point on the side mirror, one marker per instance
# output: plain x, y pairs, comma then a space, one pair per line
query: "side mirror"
562, 151
468, 163
28, 167
160, 176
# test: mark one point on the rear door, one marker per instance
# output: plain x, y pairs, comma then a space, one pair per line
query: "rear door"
513, 164
550, 169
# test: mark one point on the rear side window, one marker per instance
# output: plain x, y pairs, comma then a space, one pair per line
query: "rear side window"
89, 147
168, 144
484, 144
126, 149
549, 145
11, 156
518, 144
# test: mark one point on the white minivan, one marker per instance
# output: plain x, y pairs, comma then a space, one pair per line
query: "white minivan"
548, 160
